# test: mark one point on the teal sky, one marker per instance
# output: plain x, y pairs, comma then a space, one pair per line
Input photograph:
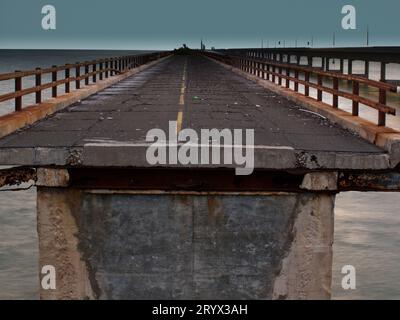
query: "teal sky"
166, 24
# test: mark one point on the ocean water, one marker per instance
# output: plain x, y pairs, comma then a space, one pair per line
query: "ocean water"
367, 225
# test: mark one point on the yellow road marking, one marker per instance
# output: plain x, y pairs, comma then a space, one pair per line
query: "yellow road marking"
179, 121
182, 100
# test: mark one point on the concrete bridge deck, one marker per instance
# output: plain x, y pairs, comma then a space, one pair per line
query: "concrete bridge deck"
110, 127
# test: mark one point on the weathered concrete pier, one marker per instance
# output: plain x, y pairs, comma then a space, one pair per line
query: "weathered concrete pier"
116, 227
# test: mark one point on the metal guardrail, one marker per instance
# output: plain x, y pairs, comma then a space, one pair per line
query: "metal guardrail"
278, 72
92, 70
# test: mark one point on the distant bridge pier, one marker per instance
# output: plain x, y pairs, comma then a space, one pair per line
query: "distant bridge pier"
349, 66
366, 68
383, 72
309, 61
324, 63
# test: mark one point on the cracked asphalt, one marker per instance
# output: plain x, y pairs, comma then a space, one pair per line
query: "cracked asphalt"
214, 98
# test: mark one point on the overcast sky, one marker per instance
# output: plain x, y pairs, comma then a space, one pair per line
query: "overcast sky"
166, 24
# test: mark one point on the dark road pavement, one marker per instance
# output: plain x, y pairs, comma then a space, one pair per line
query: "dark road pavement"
194, 91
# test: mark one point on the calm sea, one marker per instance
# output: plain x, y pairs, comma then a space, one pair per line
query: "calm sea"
367, 225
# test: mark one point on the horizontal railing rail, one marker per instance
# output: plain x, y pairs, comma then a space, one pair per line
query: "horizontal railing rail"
92, 72
278, 72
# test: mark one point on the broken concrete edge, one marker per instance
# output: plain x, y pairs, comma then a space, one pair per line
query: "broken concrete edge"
31, 114
17, 176
134, 156
364, 181
384, 137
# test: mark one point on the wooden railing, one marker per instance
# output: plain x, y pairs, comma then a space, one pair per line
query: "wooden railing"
89, 72
300, 75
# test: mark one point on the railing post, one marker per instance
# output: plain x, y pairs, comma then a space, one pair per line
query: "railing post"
38, 83
273, 73
287, 80
382, 115
306, 87
320, 83
94, 69
106, 67
86, 73
263, 70
54, 79
77, 75
67, 86
101, 71
356, 92
18, 87
335, 96
296, 84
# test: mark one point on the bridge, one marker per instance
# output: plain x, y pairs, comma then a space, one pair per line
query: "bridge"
117, 226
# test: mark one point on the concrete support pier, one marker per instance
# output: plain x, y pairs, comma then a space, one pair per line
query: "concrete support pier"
129, 244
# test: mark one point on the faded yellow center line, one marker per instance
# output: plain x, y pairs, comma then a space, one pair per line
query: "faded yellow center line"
179, 122
182, 100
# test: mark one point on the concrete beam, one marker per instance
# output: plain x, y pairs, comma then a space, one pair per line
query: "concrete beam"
133, 155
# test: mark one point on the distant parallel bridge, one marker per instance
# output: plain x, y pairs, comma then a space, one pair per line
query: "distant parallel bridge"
325, 58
